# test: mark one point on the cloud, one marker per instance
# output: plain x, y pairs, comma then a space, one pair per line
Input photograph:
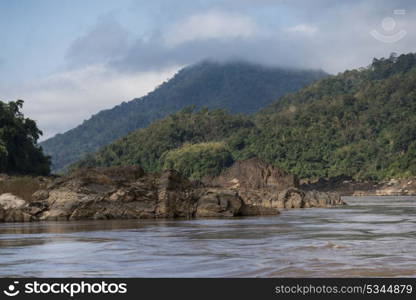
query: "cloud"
323, 34
105, 41
210, 25
63, 100
303, 29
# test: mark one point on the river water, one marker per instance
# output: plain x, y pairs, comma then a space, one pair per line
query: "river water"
372, 236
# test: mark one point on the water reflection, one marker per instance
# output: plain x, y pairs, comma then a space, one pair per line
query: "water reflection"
372, 236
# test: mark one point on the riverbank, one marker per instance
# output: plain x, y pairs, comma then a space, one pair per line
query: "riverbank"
393, 187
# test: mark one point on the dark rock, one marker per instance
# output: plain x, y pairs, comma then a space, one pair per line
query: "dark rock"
253, 210
291, 198
40, 195
254, 174
322, 199
219, 203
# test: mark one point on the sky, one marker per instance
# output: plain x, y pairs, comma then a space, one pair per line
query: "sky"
69, 59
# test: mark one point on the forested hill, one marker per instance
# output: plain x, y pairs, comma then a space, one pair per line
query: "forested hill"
147, 147
359, 124
237, 87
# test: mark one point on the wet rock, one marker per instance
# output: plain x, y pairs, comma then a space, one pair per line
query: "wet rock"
254, 210
12, 209
16, 215
219, 203
174, 196
290, 198
322, 199
10, 201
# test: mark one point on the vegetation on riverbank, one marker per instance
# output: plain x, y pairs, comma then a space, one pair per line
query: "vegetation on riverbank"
19, 152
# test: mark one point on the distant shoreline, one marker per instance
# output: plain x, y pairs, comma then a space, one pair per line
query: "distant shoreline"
393, 187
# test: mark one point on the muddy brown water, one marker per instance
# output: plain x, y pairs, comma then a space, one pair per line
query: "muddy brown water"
372, 236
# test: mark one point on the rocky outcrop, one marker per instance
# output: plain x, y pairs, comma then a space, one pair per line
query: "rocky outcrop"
255, 174
265, 186
129, 193
290, 199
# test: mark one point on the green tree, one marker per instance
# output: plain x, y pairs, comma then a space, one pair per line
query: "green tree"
19, 152
198, 160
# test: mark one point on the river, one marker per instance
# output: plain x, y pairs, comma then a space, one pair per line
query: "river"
372, 236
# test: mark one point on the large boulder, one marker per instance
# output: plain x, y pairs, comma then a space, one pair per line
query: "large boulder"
102, 193
261, 185
8, 201
322, 199
12, 209
219, 203
62, 203
174, 196
255, 174
290, 198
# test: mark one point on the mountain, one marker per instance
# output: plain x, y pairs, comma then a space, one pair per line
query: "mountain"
359, 124
238, 87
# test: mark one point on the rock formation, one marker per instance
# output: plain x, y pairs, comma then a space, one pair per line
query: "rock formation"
255, 174
248, 188
262, 185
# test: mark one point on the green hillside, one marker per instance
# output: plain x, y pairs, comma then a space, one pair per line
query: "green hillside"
237, 87
145, 147
359, 124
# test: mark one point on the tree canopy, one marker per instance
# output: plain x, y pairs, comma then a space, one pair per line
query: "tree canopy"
19, 152
196, 161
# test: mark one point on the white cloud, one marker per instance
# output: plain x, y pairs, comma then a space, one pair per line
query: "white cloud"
303, 28
104, 42
210, 25
62, 101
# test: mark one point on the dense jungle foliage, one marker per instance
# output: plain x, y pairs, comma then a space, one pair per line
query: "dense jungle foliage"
182, 131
